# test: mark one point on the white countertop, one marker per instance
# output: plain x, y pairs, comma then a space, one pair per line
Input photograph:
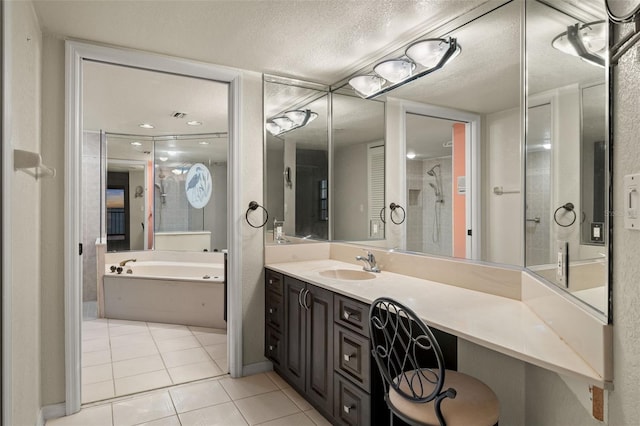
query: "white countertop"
505, 325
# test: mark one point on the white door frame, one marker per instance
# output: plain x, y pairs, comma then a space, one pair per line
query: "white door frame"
472, 142
76, 52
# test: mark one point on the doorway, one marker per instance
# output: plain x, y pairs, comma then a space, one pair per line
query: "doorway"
81, 57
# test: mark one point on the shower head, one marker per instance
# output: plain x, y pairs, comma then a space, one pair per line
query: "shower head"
432, 171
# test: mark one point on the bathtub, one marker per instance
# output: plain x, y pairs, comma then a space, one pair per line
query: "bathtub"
166, 291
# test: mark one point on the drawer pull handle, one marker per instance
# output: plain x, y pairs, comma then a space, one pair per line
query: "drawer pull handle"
347, 408
350, 315
271, 310
346, 315
347, 357
271, 348
270, 281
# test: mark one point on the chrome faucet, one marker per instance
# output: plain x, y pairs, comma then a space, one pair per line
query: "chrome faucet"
124, 262
370, 264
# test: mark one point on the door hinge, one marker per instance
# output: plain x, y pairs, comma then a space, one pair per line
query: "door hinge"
80, 249
469, 232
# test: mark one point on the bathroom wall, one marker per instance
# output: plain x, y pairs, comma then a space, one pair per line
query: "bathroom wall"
350, 198
502, 214
21, 193
91, 194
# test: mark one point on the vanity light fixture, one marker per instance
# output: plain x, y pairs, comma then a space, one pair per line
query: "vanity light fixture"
411, 155
163, 159
146, 126
290, 120
421, 58
587, 41
194, 123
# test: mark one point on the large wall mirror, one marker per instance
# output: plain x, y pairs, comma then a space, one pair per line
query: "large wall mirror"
297, 160
358, 168
567, 167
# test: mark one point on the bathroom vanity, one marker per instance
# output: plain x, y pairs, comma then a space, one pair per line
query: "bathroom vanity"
316, 329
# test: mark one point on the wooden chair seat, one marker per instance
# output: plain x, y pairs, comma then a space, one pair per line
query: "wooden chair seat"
474, 404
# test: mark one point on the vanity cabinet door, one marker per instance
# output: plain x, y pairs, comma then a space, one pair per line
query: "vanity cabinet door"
319, 305
294, 332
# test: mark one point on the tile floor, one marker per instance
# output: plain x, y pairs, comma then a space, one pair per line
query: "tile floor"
126, 357
262, 399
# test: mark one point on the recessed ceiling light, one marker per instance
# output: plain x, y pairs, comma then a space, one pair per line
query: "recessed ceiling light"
146, 125
204, 142
136, 143
194, 123
163, 158
411, 155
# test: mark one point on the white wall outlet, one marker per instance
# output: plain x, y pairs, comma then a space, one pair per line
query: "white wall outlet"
562, 267
632, 201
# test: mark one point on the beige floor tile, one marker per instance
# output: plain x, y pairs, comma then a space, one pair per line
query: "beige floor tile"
135, 366
211, 338
97, 323
94, 345
97, 391
190, 372
131, 339
206, 330
279, 381
225, 414
94, 416
95, 333
300, 402
216, 351
96, 358
167, 421
121, 330
185, 357
248, 386
317, 418
165, 326
142, 382
142, 409
134, 351
96, 373
178, 344
299, 419
198, 395
169, 333
119, 322
266, 407
222, 364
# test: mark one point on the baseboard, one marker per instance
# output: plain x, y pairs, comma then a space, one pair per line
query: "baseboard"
51, 412
258, 367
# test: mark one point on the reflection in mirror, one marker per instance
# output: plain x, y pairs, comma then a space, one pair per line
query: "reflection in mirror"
358, 168
435, 174
297, 161
566, 156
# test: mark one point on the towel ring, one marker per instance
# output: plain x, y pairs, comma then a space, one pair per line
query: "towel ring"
253, 205
393, 207
568, 207
382, 216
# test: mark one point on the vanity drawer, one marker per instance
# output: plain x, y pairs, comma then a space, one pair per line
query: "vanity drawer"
352, 406
352, 356
274, 281
352, 314
273, 346
273, 310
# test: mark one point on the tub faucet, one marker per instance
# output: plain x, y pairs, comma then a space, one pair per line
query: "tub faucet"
124, 262
370, 264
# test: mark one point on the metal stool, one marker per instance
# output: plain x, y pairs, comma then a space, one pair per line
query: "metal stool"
419, 395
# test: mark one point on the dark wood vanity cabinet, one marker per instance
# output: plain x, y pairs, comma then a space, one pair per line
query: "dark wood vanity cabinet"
304, 355
319, 342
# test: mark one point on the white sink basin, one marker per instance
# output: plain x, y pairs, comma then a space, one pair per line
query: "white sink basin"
347, 274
